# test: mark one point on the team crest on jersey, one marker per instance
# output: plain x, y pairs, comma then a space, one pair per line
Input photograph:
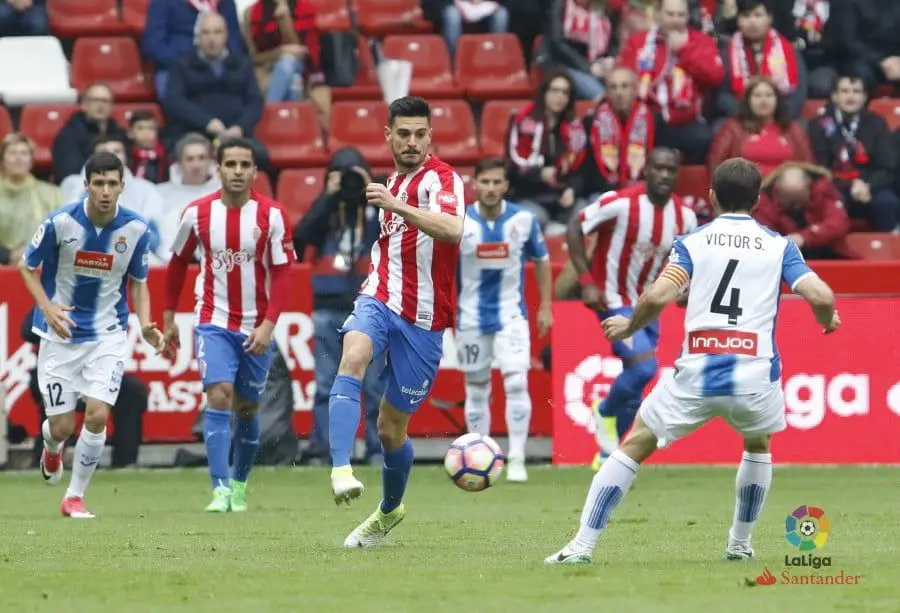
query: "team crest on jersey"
403, 197
121, 245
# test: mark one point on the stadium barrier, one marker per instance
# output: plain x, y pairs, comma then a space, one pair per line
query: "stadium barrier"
175, 394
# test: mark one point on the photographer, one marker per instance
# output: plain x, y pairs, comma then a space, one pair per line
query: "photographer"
340, 229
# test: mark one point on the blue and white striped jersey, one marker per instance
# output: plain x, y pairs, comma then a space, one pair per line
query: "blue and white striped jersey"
736, 267
491, 273
85, 267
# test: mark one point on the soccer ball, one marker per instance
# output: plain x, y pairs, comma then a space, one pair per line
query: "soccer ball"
474, 462
807, 527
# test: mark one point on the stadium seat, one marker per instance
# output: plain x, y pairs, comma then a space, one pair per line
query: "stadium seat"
467, 174
491, 66
122, 112
34, 70
360, 125
556, 246
134, 16
431, 77
583, 107
813, 108
74, 18
115, 62
382, 17
495, 124
875, 245
6, 124
693, 186
889, 109
332, 15
298, 188
263, 184
41, 122
366, 86
290, 131
454, 138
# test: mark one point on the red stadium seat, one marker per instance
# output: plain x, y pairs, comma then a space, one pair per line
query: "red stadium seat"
693, 186
122, 112
134, 15
263, 184
41, 122
6, 125
889, 109
74, 18
875, 245
431, 76
382, 17
113, 61
366, 86
813, 108
454, 138
491, 66
556, 246
467, 174
495, 124
360, 125
332, 15
583, 107
290, 131
299, 188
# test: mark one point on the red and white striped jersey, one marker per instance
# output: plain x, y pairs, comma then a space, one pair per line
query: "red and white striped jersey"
411, 272
238, 248
634, 239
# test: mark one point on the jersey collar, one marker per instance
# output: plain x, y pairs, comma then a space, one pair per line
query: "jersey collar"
736, 216
502, 209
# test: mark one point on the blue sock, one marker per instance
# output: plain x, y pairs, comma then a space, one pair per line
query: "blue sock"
246, 446
397, 465
217, 439
343, 418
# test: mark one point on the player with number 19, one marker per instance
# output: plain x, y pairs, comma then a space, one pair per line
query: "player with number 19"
492, 323
91, 254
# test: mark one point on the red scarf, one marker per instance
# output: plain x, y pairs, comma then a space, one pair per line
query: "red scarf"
621, 151
811, 15
529, 137
778, 63
660, 79
590, 28
142, 159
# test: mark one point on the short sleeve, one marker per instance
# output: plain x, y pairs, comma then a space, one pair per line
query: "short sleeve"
43, 246
139, 265
281, 246
681, 257
793, 267
606, 207
185, 242
446, 194
536, 247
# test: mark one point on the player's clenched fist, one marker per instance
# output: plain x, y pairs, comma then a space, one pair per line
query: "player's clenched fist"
155, 338
592, 296
380, 196
615, 328
835, 323
56, 317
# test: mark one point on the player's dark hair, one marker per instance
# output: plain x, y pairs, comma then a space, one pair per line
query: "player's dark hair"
234, 143
748, 6
103, 162
108, 138
489, 164
736, 183
141, 116
408, 106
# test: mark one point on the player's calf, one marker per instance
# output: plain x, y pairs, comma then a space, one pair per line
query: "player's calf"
88, 450
752, 484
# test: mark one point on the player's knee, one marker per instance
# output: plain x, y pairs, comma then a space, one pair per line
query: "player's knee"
245, 409
391, 429
644, 371
757, 444
62, 426
356, 357
478, 386
96, 415
515, 383
220, 396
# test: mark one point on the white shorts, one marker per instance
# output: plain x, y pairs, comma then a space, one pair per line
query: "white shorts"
91, 370
671, 413
511, 347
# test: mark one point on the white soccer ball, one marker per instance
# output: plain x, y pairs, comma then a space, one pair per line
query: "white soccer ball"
474, 462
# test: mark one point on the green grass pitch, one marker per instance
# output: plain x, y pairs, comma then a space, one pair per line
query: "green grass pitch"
152, 549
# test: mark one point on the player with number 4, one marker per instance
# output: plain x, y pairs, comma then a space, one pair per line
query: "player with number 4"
91, 254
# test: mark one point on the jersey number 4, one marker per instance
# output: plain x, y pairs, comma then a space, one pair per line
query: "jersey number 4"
733, 309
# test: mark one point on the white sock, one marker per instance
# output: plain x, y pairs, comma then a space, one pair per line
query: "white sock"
518, 413
478, 413
608, 489
87, 456
754, 478
50, 443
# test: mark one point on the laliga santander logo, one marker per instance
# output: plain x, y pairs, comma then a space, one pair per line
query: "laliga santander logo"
589, 382
229, 258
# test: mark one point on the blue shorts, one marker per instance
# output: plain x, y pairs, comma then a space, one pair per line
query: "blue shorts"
413, 354
644, 340
221, 357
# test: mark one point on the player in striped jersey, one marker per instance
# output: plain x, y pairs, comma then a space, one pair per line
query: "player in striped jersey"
246, 251
635, 230
729, 366
492, 325
403, 308
92, 254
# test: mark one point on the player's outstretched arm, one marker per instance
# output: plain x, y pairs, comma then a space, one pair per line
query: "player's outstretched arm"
820, 297
440, 226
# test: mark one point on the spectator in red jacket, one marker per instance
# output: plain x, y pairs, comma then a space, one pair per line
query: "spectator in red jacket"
758, 50
676, 67
799, 201
762, 132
